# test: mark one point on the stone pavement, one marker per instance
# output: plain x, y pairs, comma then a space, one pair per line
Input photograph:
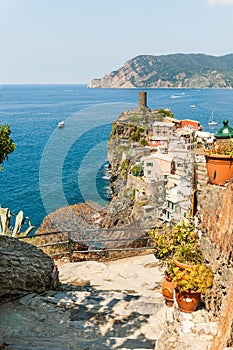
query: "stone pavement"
114, 305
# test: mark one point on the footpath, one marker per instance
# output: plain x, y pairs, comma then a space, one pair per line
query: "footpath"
113, 305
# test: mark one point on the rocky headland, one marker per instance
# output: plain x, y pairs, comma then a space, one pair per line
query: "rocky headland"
171, 71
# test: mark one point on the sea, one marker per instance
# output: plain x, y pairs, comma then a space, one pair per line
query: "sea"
54, 167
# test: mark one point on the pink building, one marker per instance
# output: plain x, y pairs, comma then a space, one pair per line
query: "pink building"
157, 166
162, 133
163, 129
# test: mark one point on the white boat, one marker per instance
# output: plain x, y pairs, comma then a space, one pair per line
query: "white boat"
61, 124
211, 121
178, 95
175, 96
192, 106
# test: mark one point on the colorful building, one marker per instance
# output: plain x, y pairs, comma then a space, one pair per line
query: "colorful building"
188, 123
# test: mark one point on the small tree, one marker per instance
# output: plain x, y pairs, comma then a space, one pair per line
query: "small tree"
7, 145
137, 170
143, 142
166, 113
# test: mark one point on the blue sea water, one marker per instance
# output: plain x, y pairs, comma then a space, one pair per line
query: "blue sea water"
53, 167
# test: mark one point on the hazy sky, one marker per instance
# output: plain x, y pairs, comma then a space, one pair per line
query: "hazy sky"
45, 41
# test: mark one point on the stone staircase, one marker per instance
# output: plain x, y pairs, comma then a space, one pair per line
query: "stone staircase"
115, 306
111, 313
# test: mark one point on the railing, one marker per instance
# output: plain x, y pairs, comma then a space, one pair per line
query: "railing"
97, 241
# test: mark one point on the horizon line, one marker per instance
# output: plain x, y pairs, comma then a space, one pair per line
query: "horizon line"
48, 83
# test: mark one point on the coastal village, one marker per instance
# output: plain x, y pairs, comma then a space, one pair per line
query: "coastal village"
156, 159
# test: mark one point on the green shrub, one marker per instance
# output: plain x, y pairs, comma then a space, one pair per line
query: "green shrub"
166, 113
135, 119
135, 136
143, 142
196, 279
124, 166
137, 170
168, 240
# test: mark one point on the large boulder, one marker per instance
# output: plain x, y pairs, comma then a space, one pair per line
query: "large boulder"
25, 268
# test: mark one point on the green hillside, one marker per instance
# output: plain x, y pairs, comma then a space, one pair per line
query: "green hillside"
174, 70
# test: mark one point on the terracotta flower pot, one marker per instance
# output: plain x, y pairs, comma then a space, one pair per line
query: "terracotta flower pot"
168, 291
219, 168
188, 301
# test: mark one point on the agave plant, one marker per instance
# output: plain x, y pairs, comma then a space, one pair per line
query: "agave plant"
6, 228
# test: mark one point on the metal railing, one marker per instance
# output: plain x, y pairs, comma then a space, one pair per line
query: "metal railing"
92, 242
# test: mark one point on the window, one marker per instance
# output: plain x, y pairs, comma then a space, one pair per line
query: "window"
149, 164
148, 172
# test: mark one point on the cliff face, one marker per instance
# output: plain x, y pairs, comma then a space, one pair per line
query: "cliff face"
171, 71
126, 146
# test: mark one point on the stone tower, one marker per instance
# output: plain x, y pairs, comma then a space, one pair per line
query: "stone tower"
142, 99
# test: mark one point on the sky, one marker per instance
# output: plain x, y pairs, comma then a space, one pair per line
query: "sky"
74, 41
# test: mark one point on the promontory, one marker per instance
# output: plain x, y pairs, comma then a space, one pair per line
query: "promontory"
171, 71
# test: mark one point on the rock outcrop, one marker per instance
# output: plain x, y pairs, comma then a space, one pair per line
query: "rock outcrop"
74, 218
25, 268
126, 147
171, 71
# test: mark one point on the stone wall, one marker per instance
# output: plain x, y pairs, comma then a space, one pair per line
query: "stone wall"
215, 215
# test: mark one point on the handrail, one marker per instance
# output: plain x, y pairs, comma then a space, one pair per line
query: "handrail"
69, 242
90, 230
103, 251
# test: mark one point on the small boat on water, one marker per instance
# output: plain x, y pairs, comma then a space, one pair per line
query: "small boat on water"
61, 124
192, 106
211, 121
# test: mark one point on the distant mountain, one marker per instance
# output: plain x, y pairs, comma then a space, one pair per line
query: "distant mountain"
171, 71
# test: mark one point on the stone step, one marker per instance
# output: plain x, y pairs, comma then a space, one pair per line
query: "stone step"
28, 342
49, 343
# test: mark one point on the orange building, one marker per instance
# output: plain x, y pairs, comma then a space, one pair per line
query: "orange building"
194, 124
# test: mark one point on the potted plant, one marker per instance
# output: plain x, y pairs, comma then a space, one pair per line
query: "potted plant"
188, 255
167, 240
219, 158
168, 285
190, 283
